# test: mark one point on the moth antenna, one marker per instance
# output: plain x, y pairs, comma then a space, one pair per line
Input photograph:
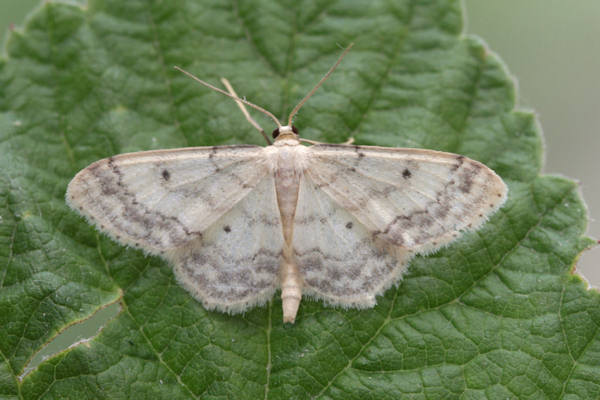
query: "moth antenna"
216, 89
318, 85
244, 111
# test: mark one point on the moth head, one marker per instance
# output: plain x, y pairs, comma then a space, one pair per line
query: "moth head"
285, 132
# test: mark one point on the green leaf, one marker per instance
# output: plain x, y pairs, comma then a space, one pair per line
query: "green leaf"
498, 314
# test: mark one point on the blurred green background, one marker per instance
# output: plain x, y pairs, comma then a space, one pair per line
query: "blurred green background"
553, 48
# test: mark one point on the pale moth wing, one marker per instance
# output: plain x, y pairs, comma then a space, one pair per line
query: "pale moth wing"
338, 257
336, 222
235, 264
363, 211
415, 199
160, 200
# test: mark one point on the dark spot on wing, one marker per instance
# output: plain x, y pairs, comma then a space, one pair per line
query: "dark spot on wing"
227, 228
406, 173
358, 151
461, 160
467, 182
166, 175
211, 157
349, 225
108, 189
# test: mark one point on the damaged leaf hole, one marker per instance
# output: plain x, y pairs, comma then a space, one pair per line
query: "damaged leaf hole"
74, 335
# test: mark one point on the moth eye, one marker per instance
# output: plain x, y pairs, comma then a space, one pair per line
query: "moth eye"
275, 133
294, 129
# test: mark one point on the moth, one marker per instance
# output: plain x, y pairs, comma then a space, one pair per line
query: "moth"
336, 222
